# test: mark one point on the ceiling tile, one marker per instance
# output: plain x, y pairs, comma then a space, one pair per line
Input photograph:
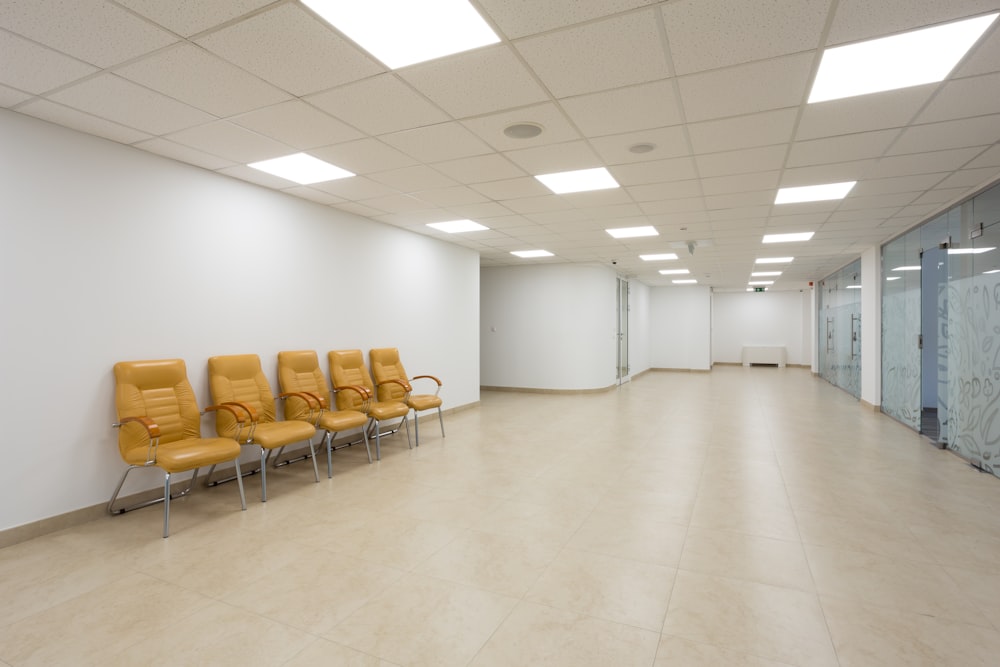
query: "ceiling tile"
412, 179
598, 199
709, 34
312, 194
721, 185
189, 17
694, 206
669, 141
555, 127
923, 163
450, 196
838, 172
492, 79
358, 209
941, 196
292, 49
126, 103
613, 52
877, 201
738, 200
357, 188
231, 142
989, 158
537, 204
963, 98
297, 124
183, 153
970, 178
364, 156
479, 211
675, 190
741, 162
646, 105
36, 69
9, 97
514, 188
841, 148
437, 143
518, 18
480, 168
757, 86
759, 129
983, 58
83, 122
881, 186
194, 76
400, 203
894, 108
557, 157
379, 105
71, 27
951, 134
245, 173
656, 171
856, 20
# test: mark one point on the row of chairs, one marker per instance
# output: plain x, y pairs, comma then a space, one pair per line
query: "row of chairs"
159, 421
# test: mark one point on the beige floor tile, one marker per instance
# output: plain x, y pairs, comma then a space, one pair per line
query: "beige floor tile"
424, 621
746, 515
545, 637
672, 505
982, 588
623, 591
966, 546
895, 583
631, 536
867, 635
503, 564
761, 559
455, 508
218, 634
858, 533
324, 653
547, 525
776, 623
677, 652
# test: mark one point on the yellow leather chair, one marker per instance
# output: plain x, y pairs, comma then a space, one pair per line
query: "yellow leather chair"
301, 378
347, 368
394, 385
238, 380
159, 425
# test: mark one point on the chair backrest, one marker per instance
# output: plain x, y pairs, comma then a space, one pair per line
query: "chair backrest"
300, 371
159, 390
239, 377
347, 367
387, 366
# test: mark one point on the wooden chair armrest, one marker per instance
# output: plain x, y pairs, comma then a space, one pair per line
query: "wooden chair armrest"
430, 377
231, 406
306, 396
364, 391
402, 383
152, 428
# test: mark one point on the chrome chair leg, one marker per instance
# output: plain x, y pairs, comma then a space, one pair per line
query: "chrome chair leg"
166, 504
239, 481
312, 451
263, 475
416, 428
441, 421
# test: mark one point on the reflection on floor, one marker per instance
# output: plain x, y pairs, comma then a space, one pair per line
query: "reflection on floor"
748, 516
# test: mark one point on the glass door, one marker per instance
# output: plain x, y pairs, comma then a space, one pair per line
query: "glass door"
623, 370
934, 342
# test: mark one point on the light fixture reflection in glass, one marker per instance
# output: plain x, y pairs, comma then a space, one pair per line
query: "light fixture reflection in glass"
969, 251
907, 268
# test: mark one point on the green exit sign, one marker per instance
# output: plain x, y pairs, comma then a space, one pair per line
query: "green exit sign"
758, 289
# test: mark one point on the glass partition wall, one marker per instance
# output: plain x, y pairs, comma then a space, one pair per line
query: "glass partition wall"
839, 328
941, 329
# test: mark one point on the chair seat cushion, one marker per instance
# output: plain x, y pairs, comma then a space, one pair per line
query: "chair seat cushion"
278, 434
188, 454
424, 401
383, 410
342, 420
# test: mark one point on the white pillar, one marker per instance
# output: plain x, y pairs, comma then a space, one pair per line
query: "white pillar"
871, 327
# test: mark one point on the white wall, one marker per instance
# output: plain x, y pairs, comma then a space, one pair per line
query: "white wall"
638, 327
109, 253
548, 326
764, 318
680, 324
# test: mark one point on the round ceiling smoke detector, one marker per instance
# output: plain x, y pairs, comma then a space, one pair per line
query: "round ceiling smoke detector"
523, 130
641, 148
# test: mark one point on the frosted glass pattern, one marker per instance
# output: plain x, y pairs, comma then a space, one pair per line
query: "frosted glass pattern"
900, 361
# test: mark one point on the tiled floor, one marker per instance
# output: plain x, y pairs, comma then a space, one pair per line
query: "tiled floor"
755, 517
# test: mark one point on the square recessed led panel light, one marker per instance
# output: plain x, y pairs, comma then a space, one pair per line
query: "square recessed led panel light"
404, 32
761, 282
764, 274
807, 193
773, 260
907, 268
457, 226
690, 281
673, 272
529, 254
632, 232
581, 180
657, 258
909, 59
787, 238
301, 168
969, 251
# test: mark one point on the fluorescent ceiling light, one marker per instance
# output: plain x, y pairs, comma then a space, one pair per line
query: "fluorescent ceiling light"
457, 226
656, 258
673, 272
910, 59
893, 278
773, 260
761, 282
807, 193
528, 254
763, 274
787, 238
687, 281
632, 232
301, 168
581, 180
968, 251
853, 286
907, 268
404, 32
